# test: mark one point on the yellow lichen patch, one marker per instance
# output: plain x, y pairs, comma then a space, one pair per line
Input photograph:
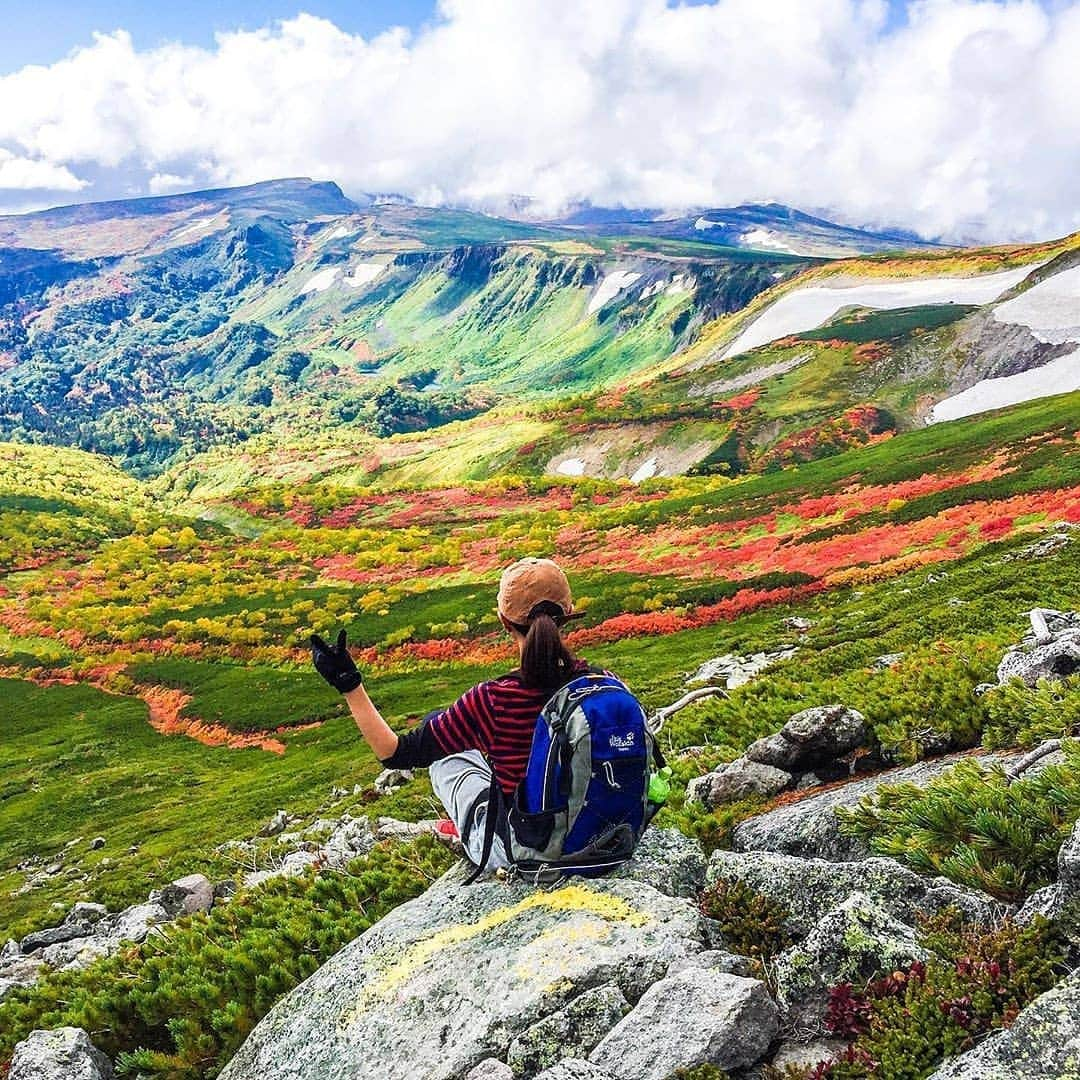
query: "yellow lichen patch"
550, 956
570, 898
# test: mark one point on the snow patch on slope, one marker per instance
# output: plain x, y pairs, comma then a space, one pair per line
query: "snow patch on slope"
364, 273
610, 287
1050, 309
339, 232
812, 305
765, 238
645, 470
1057, 377
571, 467
321, 281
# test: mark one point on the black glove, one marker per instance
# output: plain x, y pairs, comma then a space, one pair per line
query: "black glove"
334, 663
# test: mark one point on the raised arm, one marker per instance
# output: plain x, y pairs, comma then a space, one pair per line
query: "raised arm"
337, 667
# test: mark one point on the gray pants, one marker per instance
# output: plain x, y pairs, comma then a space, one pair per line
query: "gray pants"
462, 782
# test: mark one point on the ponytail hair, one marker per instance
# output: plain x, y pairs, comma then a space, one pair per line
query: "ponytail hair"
546, 662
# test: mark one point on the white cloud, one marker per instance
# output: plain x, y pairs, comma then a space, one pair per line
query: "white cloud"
27, 174
162, 183
965, 120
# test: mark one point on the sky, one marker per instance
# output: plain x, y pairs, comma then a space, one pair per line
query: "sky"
958, 119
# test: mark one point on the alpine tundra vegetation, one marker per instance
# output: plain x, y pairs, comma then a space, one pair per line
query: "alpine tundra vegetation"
822, 483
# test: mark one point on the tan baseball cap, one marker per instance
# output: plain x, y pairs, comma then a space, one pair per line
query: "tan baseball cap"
528, 581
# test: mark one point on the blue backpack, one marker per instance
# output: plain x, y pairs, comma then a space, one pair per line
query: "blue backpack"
584, 801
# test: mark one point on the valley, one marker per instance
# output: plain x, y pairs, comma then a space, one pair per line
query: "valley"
233, 418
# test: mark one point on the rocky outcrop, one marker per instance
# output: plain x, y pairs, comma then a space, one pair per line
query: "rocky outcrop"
807, 888
1050, 651
463, 972
817, 744
856, 941
810, 826
733, 671
1060, 902
573, 1031
735, 780
63, 1054
89, 932
1043, 1042
821, 740
699, 1016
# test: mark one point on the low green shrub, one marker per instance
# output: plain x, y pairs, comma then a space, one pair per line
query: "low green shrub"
973, 826
902, 1026
752, 924
1017, 715
699, 1072
179, 1005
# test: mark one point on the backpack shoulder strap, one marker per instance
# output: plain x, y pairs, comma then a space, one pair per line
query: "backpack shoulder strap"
492, 821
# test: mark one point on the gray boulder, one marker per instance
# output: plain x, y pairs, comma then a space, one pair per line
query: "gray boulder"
668, 860
810, 827
856, 941
733, 671
131, 924
695, 1017
187, 895
460, 972
805, 1055
808, 888
717, 960
389, 780
1042, 1043
738, 779
80, 921
1050, 651
571, 1032
19, 971
1068, 864
491, 1069
574, 1069
813, 739
64, 1054
277, 824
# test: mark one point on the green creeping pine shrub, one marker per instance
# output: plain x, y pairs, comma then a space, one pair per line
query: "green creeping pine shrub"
699, 1072
902, 1026
1019, 716
973, 826
752, 924
178, 1006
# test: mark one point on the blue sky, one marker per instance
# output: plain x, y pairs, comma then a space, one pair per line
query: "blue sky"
959, 119
44, 31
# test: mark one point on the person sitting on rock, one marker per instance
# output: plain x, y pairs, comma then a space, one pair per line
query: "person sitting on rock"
490, 727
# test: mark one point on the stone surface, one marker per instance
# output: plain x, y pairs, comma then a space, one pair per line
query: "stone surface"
80, 921
389, 780
668, 860
491, 1069
695, 1017
808, 888
736, 780
805, 1055
458, 973
63, 1054
1051, 650
187, 895
1068, 863
716, 959
824, 737
810, 826
277, 824
856, 941
571, 1032
733, 671
574, 1069
1043, 1043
